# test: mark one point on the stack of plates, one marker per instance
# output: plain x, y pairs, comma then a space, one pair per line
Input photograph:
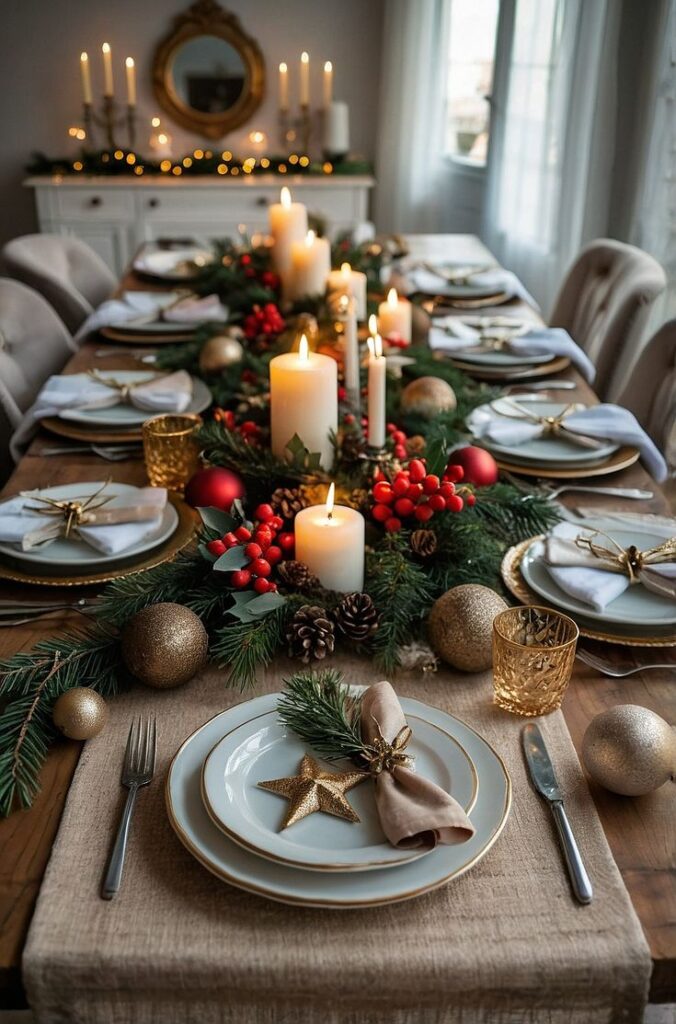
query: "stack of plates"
232, 826
72, 562
483, 287
637, 618
172, 265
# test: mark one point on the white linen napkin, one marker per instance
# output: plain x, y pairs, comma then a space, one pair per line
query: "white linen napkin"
421, 279
195, 310
506, 422
18, 523
450, 334
155, 306
575, 571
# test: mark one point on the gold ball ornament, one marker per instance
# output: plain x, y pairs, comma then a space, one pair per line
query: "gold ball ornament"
630, 750
219, 352
164, 645
460, 626
80, 713
428, 396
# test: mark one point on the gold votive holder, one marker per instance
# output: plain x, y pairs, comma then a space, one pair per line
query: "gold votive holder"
533, 655
172, 454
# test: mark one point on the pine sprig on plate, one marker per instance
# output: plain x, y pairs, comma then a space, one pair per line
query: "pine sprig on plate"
324, 713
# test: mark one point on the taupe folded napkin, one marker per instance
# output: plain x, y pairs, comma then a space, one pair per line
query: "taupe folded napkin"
413, 811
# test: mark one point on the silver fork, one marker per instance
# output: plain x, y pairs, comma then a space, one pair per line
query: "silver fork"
637, 493
111, 453
617, 671
137, 770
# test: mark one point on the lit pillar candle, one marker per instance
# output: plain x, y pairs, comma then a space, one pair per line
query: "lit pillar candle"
376, 392
310, 267
347, 281
350, 350
304, 401
86, 78
330, 541
394, 316
107, 70
131, 81
288, 224
327, 90
283, 87
304, 79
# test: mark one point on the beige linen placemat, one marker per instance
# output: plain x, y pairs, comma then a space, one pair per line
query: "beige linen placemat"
504, 944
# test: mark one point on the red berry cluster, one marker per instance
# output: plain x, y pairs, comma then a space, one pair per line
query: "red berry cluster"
264, 546
416, 494
264, 321
249, 430
396, 435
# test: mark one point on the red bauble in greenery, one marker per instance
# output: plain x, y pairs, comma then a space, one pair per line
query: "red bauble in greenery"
214, 488
480, 467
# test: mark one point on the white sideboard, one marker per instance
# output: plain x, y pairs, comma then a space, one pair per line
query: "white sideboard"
116, 215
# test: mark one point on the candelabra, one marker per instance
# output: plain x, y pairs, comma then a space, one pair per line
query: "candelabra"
109, 120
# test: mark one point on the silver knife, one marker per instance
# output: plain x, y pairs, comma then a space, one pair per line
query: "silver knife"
544, 780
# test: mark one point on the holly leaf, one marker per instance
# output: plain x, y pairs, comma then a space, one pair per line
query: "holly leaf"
250, 606
205, 553
217, 519
232, 559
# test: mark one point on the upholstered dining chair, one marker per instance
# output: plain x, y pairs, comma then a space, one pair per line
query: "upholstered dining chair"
605, 300
10, 417
33, 342
65, 270
650, 389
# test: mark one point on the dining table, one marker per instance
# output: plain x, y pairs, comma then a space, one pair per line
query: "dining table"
639, 830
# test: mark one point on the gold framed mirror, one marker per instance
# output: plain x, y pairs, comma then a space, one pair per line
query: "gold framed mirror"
208, 74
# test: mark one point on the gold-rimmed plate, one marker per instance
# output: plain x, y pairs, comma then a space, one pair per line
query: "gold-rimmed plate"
516, 584
621, 459
181, 537
555, 365
145, 337
74, 432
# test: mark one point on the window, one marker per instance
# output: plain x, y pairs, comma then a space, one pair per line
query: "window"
472, 33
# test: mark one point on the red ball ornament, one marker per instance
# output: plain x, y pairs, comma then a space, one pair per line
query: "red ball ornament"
215, 487
479, 465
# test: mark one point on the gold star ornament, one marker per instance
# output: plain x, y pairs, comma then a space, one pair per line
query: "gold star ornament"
315, 789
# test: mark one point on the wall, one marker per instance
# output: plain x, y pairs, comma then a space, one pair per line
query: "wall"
41, 40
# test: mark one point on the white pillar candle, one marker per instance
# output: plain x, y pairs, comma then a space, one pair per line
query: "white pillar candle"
327, 83
304, 401
395, 316
310, 267
288, 224
376, 393
107, 70
330, 541
86, 78
304, 91
350, 351
283, 87
336, 141
347, 281
131, 81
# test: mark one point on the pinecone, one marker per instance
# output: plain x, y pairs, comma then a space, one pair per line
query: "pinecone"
424, 542
356, 617
287, 501
310, 634
297, 575
416, 444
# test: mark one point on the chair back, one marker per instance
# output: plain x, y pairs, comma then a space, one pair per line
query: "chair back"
605, 300
650, 389
65, 270
10, 418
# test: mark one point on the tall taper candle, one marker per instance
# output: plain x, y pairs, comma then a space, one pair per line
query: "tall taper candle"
376, 392
327, 83
304, 79
350, 350
86, 80
304, 401
131, 81
283, 86
107, 70
330, 542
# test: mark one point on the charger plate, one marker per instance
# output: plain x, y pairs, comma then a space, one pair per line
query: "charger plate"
621, 459
514, 581
556, 365
245, 870
263, 748
147, 338
182, 536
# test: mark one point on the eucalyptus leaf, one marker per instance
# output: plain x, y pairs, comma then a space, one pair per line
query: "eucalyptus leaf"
233, 558
217, 519
257, 608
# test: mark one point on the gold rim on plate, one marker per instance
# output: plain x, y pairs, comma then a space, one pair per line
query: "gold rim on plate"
150, 338
513, 373
512, 577
416, 854
621, 459
259, 890
180, 538
75, 433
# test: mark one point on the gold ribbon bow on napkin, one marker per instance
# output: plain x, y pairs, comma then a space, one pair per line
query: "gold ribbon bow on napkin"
631, 561
382, 756
552, 426
123, 389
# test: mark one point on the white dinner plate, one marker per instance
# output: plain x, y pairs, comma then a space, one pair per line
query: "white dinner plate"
168, 264
122, 416
483, 286
73, 553
636, 607
499, 360
246, 870
142, 325
264, 749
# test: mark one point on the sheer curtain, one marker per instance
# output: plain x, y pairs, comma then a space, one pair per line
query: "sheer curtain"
552, 139
410, 170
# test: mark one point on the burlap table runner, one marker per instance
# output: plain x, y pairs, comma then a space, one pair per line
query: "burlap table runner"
504, 944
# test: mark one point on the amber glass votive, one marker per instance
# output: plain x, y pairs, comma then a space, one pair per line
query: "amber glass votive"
171, 450
533, 655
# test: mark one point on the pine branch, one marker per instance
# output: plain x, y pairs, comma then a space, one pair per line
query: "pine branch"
512, 516
246, 647
320, 709
402, 593
174, 581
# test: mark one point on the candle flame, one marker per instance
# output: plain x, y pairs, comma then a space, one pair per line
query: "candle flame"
285, 197
346, 270
375, 345
330, 498
373, 325
328, 66
305, 57
105, 48
392, 298
84, 57
303, 350
310, 238
129, 61
283, 68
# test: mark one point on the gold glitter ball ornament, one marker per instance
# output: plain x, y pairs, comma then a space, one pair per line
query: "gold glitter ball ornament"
315, 789
164, 645
460, 626
428, 396
629, 750
80, 713
219, 352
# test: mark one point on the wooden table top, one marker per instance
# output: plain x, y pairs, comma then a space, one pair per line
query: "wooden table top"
639, 830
